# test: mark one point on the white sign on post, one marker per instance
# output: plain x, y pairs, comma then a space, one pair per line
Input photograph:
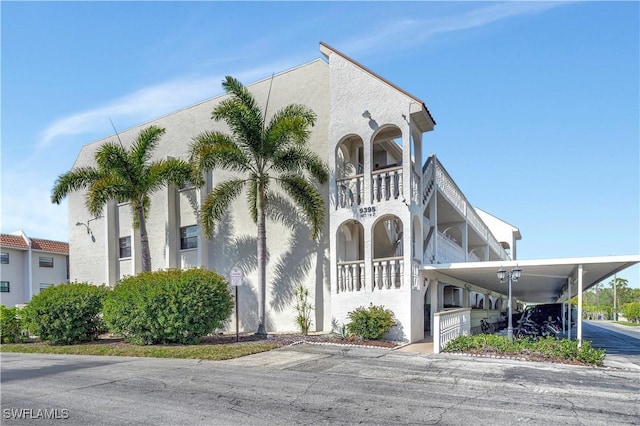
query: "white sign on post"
235, 276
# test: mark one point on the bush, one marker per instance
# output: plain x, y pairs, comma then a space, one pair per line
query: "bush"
631, 312
370, 323
66, 314
171, 306
10, 325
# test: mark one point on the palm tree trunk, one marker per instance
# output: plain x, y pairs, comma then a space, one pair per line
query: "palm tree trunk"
262, 262
144, 241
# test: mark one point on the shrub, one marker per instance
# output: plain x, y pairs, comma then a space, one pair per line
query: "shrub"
631, 312
370, 323
170, 306
547, 348
66, 314
303, 308
10, 325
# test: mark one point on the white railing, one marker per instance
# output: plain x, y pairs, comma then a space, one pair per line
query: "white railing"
350, 191
415, 188
448, 250
416, 279
351, 276
473, 257
457, 198
449, 324
428, 176
387, 184
388, 273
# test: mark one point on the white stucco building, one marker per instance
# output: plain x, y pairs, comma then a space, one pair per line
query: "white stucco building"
389, 214
29, 265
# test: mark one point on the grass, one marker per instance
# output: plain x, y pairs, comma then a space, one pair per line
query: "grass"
628, 324
206, 352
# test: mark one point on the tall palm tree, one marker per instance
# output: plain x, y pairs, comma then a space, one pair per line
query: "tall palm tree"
125, 175
264, 155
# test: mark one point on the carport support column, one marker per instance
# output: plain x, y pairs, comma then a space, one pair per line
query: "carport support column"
579, 337
569, 299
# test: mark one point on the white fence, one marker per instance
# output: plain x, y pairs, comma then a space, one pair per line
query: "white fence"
448, 325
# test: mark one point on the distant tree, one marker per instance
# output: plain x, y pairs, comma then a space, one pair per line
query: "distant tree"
265, 154
125, 175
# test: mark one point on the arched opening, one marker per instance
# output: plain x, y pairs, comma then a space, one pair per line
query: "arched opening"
388, 241
350, 257
349, 171
386, 160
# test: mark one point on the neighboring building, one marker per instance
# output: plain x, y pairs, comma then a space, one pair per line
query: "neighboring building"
29, 265
388, 215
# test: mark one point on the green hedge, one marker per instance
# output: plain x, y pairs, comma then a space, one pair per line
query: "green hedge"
170, 306
66, 314
10, 325
631, 312
370, 323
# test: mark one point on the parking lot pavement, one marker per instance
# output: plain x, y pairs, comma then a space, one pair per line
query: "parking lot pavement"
622, 343
309, 385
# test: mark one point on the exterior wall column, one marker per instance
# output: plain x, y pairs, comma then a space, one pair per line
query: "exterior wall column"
171, 239
435, 297
111, 248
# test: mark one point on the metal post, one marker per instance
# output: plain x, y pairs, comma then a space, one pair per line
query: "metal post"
510, 319
237, 329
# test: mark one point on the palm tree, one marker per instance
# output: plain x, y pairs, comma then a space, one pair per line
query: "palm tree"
125, 176
265, 155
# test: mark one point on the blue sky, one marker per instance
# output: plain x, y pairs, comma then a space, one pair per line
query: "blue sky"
536, 103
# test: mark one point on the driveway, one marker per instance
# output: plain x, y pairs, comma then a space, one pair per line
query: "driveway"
622, 343
312, 385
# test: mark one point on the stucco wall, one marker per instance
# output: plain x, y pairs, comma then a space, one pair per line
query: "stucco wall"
14, 272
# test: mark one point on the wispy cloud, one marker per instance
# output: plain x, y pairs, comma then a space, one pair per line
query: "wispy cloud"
406, 33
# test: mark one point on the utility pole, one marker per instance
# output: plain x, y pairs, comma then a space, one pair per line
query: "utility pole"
615, 298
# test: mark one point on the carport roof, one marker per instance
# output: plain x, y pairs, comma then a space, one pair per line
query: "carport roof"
542, 281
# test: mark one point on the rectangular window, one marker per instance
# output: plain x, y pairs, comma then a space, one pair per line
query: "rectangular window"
43, 286
4, 258
188, 237
186, 185
4, 286
125, 247
46, 262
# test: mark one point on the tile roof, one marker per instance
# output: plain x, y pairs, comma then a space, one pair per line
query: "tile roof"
48, 245
13, 241
16, 241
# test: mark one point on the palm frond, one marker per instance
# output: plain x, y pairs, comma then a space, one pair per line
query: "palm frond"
308, 199
72, 181
297, 159
105, 189
210, 150
218, 202
291, 124
146, 141
162, 172
113, 157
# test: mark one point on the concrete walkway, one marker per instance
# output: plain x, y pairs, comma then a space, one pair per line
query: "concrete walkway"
424, 346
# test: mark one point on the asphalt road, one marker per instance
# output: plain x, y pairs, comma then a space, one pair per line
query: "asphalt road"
311, 385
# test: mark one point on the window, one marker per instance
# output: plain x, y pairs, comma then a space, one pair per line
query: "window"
4, 286
43, 286
4, 258
46, 262
186, 185
188, 237
125, 247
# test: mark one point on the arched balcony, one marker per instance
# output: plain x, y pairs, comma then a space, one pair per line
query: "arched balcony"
386, 175
350, 256
388, 262
350, 172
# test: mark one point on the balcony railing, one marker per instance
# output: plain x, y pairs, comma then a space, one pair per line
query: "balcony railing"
433, 171
350, 191
388, 273
387, 184
351, 276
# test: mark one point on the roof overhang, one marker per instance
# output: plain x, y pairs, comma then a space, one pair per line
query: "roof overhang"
542, 281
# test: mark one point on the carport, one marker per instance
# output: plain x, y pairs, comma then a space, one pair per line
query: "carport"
542, 281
